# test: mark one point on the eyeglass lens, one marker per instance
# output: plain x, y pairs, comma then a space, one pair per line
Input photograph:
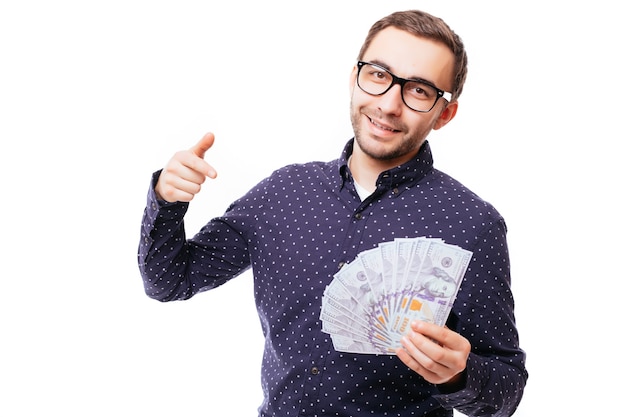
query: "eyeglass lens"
417, 95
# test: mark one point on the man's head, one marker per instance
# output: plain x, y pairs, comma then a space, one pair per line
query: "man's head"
424, 25
410, 71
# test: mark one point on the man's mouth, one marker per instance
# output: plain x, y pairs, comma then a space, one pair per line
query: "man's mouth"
383, 127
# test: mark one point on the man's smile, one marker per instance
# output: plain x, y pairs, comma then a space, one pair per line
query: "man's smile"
382, 126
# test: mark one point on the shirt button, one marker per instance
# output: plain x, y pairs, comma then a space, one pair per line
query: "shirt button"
315, 370
358, 216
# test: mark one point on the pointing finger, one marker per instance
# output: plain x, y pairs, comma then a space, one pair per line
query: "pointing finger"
203, 145
199, 149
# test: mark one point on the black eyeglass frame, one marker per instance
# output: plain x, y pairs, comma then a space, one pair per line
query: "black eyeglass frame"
402, 81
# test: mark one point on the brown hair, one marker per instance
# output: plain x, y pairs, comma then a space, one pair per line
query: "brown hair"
427, 26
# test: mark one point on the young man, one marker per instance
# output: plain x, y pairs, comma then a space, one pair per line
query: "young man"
298, 227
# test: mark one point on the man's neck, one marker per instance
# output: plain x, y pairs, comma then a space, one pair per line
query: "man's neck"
366, 169
364, 174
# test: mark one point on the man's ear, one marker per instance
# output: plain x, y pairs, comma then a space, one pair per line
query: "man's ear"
353, 79
446, 115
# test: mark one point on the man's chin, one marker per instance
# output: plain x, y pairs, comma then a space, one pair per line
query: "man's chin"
377, 150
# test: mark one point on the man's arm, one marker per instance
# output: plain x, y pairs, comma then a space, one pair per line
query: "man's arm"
478, 366
172, 267
162, 248
495, 373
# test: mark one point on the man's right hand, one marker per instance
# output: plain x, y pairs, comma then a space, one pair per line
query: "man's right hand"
185, 173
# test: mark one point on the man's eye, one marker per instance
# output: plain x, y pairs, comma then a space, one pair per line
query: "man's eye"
421, 91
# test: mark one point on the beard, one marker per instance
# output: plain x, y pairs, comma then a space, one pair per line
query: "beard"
408, 145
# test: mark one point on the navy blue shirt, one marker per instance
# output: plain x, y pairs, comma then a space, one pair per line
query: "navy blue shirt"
296, 229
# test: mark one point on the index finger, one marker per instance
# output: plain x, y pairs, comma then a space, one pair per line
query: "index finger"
200, 148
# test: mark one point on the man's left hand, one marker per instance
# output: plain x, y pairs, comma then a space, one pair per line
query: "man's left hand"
437, 353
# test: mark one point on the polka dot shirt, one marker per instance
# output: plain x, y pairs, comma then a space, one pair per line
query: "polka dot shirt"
295, 229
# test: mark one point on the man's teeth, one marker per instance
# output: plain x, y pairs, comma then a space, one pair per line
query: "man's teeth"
381, 126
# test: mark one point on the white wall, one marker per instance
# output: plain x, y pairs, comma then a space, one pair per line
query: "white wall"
94, 96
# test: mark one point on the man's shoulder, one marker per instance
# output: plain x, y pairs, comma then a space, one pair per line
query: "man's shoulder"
298, 169
456, 192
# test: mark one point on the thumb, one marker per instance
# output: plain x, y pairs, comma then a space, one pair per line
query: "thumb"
203, 145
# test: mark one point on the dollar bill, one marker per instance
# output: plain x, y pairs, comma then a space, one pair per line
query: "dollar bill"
370, 302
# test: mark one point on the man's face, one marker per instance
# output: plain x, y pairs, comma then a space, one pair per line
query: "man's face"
386, 130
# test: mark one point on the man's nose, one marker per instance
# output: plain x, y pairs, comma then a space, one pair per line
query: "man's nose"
391, 102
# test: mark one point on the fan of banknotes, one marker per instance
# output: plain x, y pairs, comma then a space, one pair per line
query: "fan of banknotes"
371, 301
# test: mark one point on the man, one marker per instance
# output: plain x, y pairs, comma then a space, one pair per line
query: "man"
299, 226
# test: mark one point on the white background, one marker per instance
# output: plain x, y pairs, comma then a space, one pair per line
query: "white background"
95, 96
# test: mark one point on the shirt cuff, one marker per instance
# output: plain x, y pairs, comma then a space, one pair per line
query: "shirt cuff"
474, 374
161, 210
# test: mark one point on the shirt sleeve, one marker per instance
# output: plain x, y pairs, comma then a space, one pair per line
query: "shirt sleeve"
174, 268
484, 314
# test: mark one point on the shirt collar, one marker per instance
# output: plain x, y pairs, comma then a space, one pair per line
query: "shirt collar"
403, 175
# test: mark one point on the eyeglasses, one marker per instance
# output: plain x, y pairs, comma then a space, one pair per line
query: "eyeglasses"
419, 95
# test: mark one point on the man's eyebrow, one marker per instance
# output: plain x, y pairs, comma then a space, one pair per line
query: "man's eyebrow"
380, 64
386, 67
